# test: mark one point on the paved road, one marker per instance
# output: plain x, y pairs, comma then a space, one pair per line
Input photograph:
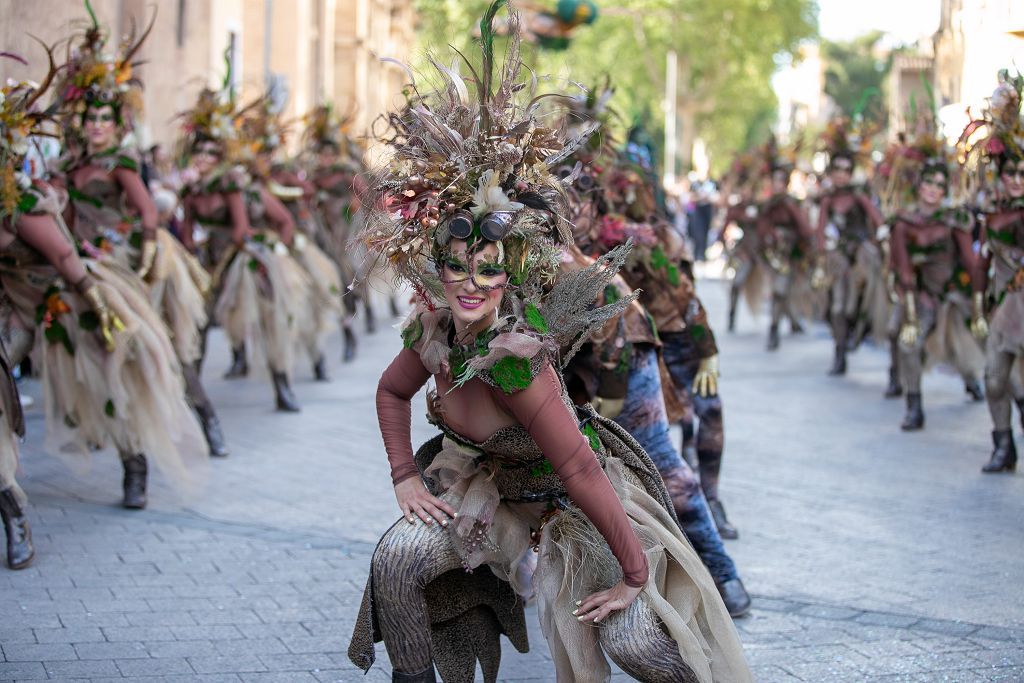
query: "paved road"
872, 554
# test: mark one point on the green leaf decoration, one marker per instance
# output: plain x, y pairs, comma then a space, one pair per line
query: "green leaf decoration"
40, 313
259, 237
79, 196
544, 468
27, 202
660, 262
512, 373
412, 333
108, 409
592, 437
673, 275
57, 333
135, 239
535, 318
611, 294
89, 321
698, 331
127, 163
254, 265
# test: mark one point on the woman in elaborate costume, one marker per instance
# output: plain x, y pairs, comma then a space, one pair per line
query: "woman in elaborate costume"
110, 373
848, 220
787, 241
258, 287
112, 213
933, 258
265, 132
745, 259
469, 213
994, 145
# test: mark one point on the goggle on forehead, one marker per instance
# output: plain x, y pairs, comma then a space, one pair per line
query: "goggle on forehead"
493, 227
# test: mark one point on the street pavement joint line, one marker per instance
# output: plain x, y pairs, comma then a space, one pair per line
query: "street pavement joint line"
194, 520
862, 617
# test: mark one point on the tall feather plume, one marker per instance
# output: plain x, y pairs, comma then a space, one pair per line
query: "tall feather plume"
487, 35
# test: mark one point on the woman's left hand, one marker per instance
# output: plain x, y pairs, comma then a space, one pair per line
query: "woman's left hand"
594, 608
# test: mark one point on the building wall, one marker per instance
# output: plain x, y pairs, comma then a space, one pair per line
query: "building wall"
318, 48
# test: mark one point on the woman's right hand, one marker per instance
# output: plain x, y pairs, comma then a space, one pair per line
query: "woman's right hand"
416, 501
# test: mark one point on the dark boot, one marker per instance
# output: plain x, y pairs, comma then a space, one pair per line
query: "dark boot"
286, 401
371, 319
19, 536
425, 676
914, 419
895, 389
795, 327
732, 318
211, 429
735, 597
1004, 457
725, 529
1020, 409
320, 370
972, 388
393, 305
839, 362
135, 472
239, 365
773, 337
348, 354
734, 296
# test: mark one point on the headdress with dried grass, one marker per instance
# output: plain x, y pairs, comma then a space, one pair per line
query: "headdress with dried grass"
95, 75
994, 138
849, 137
915, 153
480, 165
20, 121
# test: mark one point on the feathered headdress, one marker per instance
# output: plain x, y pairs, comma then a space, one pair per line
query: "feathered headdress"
850, 138
94, 75
459, 159
20, 120
216, 117
912, 155
997, 135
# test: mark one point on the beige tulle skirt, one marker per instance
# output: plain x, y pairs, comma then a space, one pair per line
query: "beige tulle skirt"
178, 285
324, 304
951, 341
131, 398
264, 303
1006, 328
9, 461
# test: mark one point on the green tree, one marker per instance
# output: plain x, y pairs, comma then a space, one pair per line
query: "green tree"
855, 74
726, 55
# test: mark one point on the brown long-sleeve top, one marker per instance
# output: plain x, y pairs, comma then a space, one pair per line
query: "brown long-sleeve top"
1003, 238
927, 248
782, 212
477, 410
847, 201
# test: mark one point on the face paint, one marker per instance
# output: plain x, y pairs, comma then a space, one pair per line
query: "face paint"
1013, 178
474, 280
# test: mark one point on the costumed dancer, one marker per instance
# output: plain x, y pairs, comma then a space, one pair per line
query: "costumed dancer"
787, 240
849, 220
111, 212
469, 213
265, 133
933, 257
994, 146
258, 287
110, 373
749, 270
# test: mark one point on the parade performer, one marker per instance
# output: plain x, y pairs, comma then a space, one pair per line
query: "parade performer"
848, 220
933, 258
265, 132
258, 287
110, 373
111, 212
469, 213
749, 270
787, 239
619, 371
994, 145
336, 162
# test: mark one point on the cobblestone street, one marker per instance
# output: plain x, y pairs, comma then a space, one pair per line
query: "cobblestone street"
871, 554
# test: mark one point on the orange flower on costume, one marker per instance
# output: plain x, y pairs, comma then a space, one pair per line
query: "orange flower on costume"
55, 305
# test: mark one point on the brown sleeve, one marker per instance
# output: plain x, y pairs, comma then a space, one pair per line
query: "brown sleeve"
900, 256
139, 198
399, 383
875, 218
283, 222
966, 247
823, 209
811, 236
239, 217
42, 233
188, 226
540, 410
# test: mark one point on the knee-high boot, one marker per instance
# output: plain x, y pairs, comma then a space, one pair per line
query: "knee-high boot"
20, 551
136, 472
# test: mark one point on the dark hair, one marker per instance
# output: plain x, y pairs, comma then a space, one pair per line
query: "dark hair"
1007, 157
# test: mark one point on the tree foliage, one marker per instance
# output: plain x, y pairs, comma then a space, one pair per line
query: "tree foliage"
855, 74
726, 54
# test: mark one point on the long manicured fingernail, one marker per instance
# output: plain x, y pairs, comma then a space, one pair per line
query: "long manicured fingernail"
412, 521
444, 523
579, 602
580, 618
575, 611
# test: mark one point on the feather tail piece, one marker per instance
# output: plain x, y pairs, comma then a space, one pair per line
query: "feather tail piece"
17, 58
487, 64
